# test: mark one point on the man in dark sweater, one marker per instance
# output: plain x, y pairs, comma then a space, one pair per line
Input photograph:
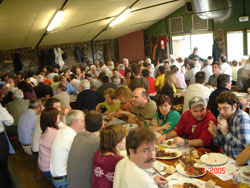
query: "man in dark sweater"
87, 99
223, 84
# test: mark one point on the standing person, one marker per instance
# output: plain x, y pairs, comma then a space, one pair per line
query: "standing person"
235, 69
132, 170
5, 120
81, 154
49, 120
225, 67
112, 141
195, 55
61, 147
166, 118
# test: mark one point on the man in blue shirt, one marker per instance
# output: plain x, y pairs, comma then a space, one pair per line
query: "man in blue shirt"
233, 125
26, 124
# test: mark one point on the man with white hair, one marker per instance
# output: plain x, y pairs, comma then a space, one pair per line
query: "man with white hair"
61, 147
17, 107
93, 72
125, 62
42, 90
87, 99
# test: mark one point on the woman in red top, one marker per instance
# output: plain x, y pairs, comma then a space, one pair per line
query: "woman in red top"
151, 82
112, 141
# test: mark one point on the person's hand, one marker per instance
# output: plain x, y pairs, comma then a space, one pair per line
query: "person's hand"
212, 129
120, 113
223, 126
65, 110
98, 108
160, 180
179, 141
166, 126
161, 139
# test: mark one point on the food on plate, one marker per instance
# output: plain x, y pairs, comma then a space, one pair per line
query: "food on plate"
186, 161
169, 143
170, 169
194, 153
247, 173
210, 184
108, 119
163, 153
185, 185
189, 167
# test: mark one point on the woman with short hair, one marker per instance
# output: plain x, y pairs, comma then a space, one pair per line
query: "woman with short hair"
166, 118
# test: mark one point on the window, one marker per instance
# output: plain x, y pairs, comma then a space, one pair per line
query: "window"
234, 45
183, 45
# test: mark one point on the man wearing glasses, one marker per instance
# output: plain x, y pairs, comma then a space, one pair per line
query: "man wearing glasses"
133, 171
233, 125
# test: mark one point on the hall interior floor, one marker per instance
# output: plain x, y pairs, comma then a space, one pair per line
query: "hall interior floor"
23, 171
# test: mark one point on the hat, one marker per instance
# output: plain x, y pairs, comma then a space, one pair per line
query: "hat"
197, 100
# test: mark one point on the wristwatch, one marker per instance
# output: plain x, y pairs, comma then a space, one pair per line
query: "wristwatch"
186, 141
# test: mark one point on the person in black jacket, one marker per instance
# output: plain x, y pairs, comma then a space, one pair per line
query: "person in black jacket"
87, 99
42, 90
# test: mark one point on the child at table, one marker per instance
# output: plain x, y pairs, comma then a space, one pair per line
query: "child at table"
111, 103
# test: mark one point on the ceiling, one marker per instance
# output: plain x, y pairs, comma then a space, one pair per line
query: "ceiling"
23, 22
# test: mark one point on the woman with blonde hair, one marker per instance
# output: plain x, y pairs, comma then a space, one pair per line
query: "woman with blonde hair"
169, 87
111, 103
124, 94
112, 141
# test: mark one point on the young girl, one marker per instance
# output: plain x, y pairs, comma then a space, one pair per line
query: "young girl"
112, 141
111, 103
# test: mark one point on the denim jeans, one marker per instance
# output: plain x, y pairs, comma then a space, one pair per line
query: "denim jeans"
47, 174
60, 183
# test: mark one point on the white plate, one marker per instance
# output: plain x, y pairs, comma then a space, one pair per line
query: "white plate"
244, 169
181, 170
173, 182
214, 159
172, 146
179, 153
241, 94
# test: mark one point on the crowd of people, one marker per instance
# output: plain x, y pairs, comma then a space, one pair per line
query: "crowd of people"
73, 148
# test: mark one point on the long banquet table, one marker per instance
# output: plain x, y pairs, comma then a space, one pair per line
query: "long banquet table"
209, 176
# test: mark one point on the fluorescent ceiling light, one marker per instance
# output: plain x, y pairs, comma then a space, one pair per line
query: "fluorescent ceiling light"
55, 20
120, 17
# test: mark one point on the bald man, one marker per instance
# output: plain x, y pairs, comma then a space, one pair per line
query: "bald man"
143, 109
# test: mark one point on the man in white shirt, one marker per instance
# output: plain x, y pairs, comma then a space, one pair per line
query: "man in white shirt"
61, 146
133, 171
197, 89
207, 69
225, 67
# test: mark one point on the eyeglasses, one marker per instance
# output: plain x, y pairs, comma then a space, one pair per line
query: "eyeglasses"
149, 151
224, 108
